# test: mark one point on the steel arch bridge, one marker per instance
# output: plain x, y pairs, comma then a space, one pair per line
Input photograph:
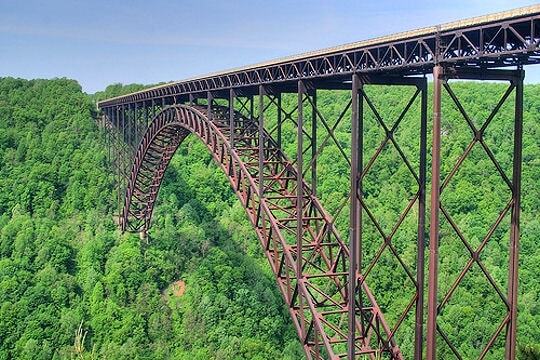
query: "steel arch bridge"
324, 273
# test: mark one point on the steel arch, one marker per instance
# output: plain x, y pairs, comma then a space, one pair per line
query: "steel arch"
317, 299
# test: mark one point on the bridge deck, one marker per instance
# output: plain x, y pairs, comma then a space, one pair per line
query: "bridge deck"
497, 40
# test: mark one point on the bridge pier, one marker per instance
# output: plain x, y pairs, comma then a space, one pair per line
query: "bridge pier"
355, 221
359, 170
514, 79
434, 218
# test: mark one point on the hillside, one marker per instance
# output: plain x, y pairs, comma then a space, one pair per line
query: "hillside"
72, 287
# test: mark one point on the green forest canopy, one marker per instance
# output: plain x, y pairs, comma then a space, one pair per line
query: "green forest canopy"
72, 286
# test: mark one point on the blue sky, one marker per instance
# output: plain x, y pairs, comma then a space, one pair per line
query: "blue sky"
102, 42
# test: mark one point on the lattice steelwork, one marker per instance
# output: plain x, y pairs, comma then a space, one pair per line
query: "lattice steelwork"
264, 128
508, 297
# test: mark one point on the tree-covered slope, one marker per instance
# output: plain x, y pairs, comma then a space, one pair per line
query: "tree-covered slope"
201, 289
63, 264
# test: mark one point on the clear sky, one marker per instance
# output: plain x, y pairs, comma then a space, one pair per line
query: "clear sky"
101, 42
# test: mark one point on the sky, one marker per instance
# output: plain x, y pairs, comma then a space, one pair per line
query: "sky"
101, 42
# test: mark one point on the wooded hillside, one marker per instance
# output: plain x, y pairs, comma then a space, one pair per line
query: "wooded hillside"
72, 287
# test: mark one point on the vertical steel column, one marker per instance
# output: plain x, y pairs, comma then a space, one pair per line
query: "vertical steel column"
421, 243
355, 209
514, 221
119, 162
314, 143
109, 130
209, 100
279, 120
124, 136
262, 93
140, 123
300, 200
115, 150
231, 116
129, 130
434, 218
251, 105
123, 153
146, 113
136, 131
260, 144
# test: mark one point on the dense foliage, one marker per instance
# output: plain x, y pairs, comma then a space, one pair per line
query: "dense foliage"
63, 264
72, 287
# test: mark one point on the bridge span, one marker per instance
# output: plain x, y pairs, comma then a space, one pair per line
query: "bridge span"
324, 274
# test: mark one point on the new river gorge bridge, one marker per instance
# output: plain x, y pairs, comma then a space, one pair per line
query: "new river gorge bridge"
264, 129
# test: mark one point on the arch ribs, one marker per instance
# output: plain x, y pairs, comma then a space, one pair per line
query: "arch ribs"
317, 298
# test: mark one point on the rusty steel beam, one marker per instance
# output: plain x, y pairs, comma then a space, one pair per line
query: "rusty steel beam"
232, 96
209, 101
421, 241
313, 143
261, 150
355, 212
260, 140
279, 119
299, 202
119, 159
514, 229
434, 216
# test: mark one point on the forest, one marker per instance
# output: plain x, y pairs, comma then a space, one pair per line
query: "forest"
73, 287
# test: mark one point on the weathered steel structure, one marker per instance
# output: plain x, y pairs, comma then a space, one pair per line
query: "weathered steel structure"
320, 272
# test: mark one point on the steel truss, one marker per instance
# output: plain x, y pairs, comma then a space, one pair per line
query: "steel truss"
513, 40
245, 119
436, 303
290, 218
311, 269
